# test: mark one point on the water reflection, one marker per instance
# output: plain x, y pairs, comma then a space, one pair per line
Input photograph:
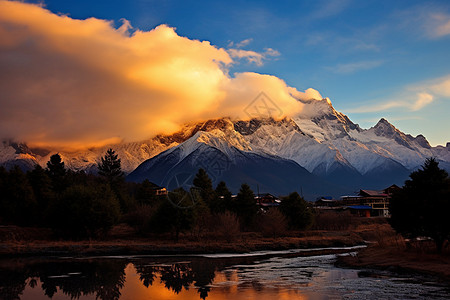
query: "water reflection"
245, 277
102, 278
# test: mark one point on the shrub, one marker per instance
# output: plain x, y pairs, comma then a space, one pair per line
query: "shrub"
272, 223
227, 226
332, 220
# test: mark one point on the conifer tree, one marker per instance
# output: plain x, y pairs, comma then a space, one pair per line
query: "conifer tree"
110, 166
245, 205
42, 188
56, 172
223, 198
421, 207
204, 183
296, 210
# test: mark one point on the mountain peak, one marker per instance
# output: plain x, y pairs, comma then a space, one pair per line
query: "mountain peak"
384, 122
384, 128
422, 141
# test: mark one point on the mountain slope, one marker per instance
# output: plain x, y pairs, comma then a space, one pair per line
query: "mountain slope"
268, 173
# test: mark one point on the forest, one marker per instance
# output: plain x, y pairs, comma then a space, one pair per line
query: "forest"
77, 205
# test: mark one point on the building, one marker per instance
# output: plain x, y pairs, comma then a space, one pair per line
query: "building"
328, 203
159, 191
370, 202
266, 201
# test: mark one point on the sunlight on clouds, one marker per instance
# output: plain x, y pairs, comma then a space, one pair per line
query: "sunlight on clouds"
441, 87
439, 25
423, 99
413, 98
377, 107
309, 94
432, 20
83, 83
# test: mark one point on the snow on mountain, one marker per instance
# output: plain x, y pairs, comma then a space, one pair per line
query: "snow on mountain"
223, 161
320, 139
19, 154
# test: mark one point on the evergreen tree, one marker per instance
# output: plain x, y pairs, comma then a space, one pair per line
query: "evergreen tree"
421, 207
296, 210
56, 172
245, 205
42, 189
110, 167
175, 219
204, 183
223, 198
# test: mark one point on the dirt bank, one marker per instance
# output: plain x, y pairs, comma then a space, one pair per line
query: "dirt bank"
401, 257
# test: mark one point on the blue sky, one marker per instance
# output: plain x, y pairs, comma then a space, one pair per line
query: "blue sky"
373, 59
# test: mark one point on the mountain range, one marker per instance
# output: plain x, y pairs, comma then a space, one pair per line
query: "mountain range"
318, 152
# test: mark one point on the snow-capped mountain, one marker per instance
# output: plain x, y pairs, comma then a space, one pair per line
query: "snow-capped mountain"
320, 139
228, 158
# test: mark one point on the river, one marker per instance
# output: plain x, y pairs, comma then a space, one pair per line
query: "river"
258, 275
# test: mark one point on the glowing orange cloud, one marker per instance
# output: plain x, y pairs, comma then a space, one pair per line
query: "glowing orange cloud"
83, 83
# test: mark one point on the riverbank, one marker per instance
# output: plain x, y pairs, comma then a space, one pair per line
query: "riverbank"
140, 246
386, 251
17, 242
401, 257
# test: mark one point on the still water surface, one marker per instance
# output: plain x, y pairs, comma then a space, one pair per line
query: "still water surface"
258, 275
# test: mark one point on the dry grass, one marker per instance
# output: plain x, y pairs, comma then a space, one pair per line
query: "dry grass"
227, 226
223, 235
389, 250
272, 223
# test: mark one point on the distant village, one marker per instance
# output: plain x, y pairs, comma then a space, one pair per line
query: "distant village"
367, 203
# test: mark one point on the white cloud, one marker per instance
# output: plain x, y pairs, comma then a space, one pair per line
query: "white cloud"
354, 67
385, 106
309, 94
420, 101
440, 86
244, 43
423, 99
252, 56
432, 20
413, 97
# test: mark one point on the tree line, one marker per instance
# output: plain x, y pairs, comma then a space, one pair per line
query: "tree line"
78, 205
